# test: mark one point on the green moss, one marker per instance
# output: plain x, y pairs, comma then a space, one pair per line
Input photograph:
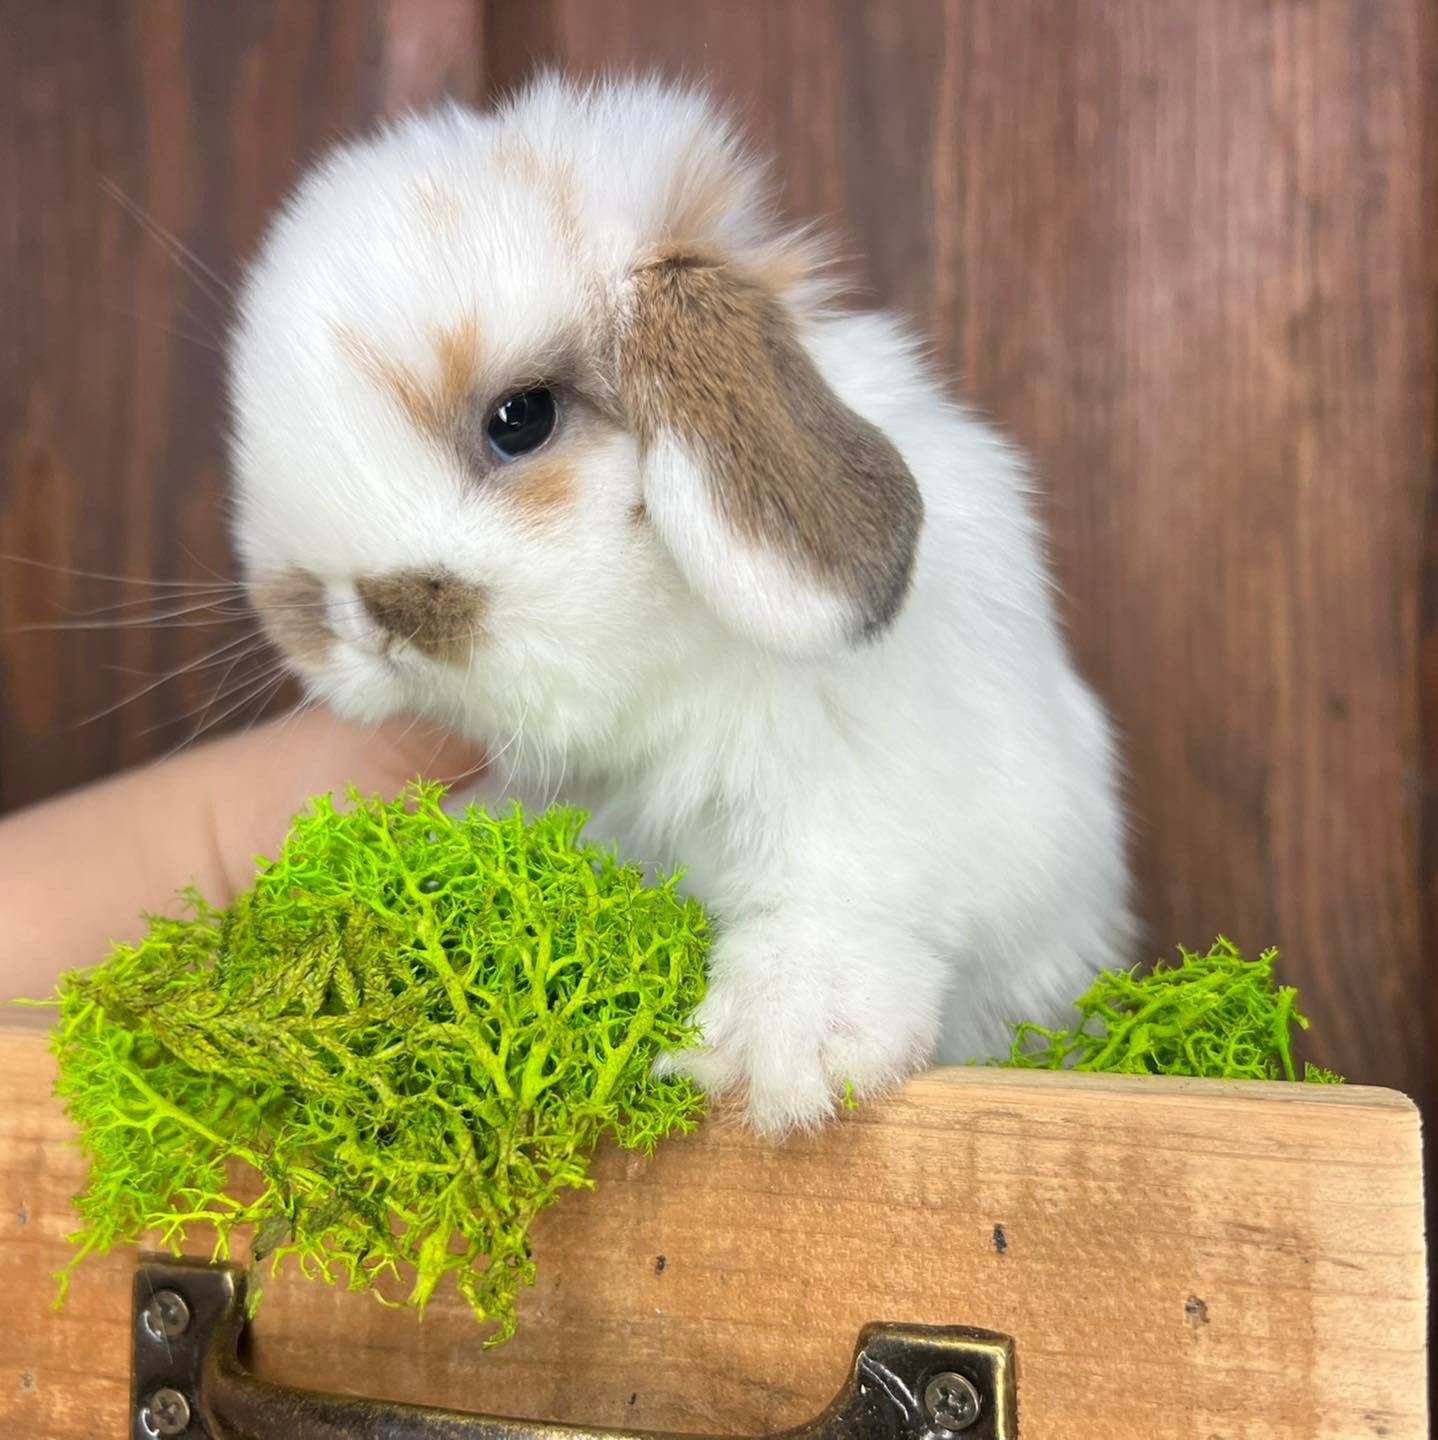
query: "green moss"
406, 1039
410, 1035
1215, 1015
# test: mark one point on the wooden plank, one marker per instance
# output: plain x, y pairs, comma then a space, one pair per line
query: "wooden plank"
1174, 1258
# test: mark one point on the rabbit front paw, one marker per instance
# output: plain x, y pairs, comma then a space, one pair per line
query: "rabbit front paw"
796, 1020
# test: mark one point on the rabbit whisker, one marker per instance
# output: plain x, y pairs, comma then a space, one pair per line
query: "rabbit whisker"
208, 657
204, 278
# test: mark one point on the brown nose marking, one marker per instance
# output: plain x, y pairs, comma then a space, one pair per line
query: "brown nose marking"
431, 610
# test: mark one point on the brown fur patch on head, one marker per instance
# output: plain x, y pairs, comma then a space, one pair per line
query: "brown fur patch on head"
432, 610
435, 406
291, 607
553, 181
789, 261
707, 187
458, 349
710, 357
701, 191
440, 208
540, 489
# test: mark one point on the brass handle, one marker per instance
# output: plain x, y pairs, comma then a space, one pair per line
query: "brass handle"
907, 1382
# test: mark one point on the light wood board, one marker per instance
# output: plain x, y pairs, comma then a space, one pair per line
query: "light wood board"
1175, 1258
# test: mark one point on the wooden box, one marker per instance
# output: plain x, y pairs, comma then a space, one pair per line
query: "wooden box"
1172, 1258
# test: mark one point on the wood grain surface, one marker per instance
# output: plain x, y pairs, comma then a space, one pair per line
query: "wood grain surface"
144, 146
1172, 1258
1187, 254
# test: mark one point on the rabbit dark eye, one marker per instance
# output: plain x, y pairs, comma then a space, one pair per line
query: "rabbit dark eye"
522, 423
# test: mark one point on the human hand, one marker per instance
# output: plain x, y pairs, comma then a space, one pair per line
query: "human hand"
79, 872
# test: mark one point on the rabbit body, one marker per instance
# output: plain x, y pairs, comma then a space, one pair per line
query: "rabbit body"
764, 600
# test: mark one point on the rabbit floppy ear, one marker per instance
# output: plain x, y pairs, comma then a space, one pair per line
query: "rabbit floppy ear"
792, 517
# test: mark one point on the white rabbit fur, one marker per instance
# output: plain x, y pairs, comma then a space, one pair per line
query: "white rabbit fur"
906, 840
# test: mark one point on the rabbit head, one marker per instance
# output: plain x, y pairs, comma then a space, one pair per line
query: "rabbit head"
523, 412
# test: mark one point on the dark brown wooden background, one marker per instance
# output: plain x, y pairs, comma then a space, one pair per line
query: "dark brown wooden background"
1186, 253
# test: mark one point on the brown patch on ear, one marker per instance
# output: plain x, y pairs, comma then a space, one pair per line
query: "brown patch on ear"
711, 357
639, 513
436, 408
433, 611
291, 607
540, 488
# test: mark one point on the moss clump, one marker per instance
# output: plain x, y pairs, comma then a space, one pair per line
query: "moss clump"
412, 1032
1215, 1015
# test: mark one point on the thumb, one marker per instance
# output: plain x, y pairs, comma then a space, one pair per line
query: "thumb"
256, 782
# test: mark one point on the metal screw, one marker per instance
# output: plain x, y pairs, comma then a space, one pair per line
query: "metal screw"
166, 1412
167, 1315
952, 1401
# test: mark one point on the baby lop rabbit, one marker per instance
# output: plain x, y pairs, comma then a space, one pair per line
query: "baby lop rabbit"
546, 428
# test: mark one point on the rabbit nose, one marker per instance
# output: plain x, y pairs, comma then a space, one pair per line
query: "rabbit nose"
432, 610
